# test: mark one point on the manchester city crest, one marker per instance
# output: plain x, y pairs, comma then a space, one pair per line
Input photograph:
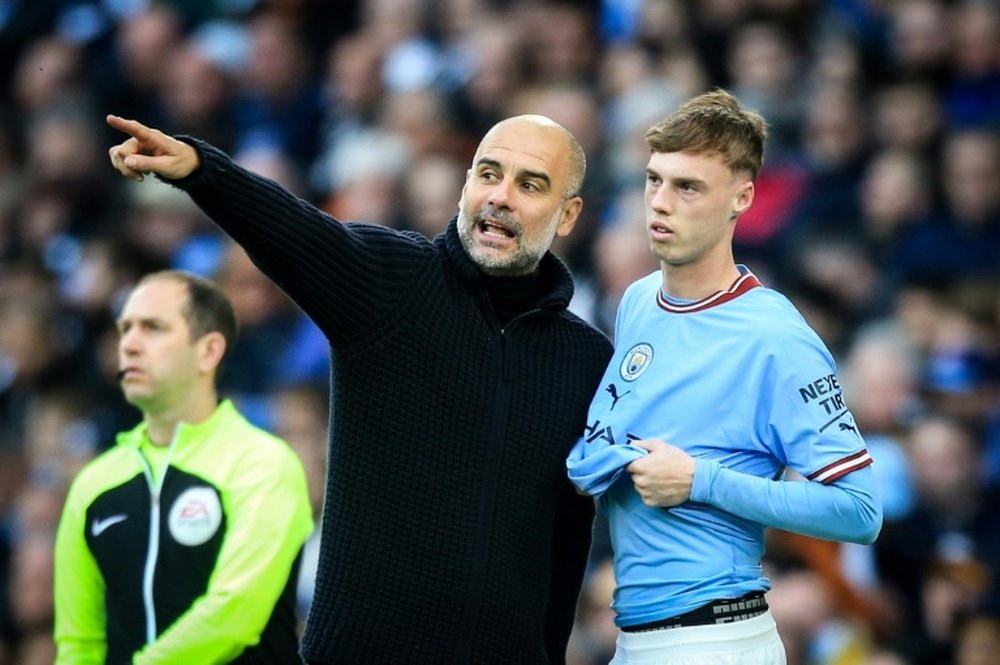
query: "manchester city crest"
636, 361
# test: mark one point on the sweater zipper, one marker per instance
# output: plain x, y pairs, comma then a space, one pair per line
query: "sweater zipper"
153, 545
505, 370
488, 496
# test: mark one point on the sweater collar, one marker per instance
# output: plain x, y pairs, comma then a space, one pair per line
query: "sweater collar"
555, 282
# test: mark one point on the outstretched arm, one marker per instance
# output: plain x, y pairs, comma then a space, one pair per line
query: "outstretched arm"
149, 150
346, 277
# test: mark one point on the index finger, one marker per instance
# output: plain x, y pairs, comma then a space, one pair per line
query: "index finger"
649, 445
131, 127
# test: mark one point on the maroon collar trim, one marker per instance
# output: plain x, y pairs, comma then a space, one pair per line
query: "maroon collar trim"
743, 283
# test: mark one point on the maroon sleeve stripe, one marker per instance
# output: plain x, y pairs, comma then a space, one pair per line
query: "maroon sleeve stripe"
832, 472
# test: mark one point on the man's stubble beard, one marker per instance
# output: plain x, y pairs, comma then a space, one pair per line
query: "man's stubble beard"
523, 260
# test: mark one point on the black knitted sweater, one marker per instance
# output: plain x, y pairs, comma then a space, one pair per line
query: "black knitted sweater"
450, 531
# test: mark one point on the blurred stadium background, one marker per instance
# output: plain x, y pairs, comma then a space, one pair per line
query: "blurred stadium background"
878, 213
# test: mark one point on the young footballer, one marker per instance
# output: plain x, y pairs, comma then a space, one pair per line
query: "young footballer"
717, 386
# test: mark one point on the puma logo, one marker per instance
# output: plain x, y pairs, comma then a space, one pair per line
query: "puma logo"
100, 526
612, 389
844, 427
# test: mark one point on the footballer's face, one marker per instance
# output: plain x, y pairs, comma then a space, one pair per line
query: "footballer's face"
692, 202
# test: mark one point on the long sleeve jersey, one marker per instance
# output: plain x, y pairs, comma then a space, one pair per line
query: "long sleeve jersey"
186, 555
740, 382
450, 532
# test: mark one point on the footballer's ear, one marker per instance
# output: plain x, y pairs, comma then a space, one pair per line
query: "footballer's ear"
744, 198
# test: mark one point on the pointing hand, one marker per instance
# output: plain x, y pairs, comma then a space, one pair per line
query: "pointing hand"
149, 150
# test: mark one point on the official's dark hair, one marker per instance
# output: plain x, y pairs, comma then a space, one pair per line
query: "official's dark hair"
713, 122
207, 309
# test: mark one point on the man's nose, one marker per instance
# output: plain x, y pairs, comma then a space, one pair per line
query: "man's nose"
662, 201
500, 194
129, 343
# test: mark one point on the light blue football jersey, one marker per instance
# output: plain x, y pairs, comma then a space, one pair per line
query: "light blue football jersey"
743, 384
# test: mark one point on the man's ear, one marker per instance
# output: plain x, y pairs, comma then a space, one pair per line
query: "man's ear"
744, 198
569, 216
211, 349
465, 185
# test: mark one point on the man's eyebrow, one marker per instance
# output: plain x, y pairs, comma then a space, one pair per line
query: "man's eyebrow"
677, 179
138, 319
523, 174
687, 180
537, 175
486, 161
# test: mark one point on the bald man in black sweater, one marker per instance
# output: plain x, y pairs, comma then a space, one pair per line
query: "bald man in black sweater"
460, 382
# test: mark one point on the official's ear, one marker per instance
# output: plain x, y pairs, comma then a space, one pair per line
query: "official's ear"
211, 349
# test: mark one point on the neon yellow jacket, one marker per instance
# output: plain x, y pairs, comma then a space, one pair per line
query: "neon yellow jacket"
193, 563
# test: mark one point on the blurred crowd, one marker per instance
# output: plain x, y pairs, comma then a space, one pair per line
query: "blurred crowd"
877, 212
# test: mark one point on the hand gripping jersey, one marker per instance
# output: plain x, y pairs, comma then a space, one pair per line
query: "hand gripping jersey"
189, 560
740, 382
